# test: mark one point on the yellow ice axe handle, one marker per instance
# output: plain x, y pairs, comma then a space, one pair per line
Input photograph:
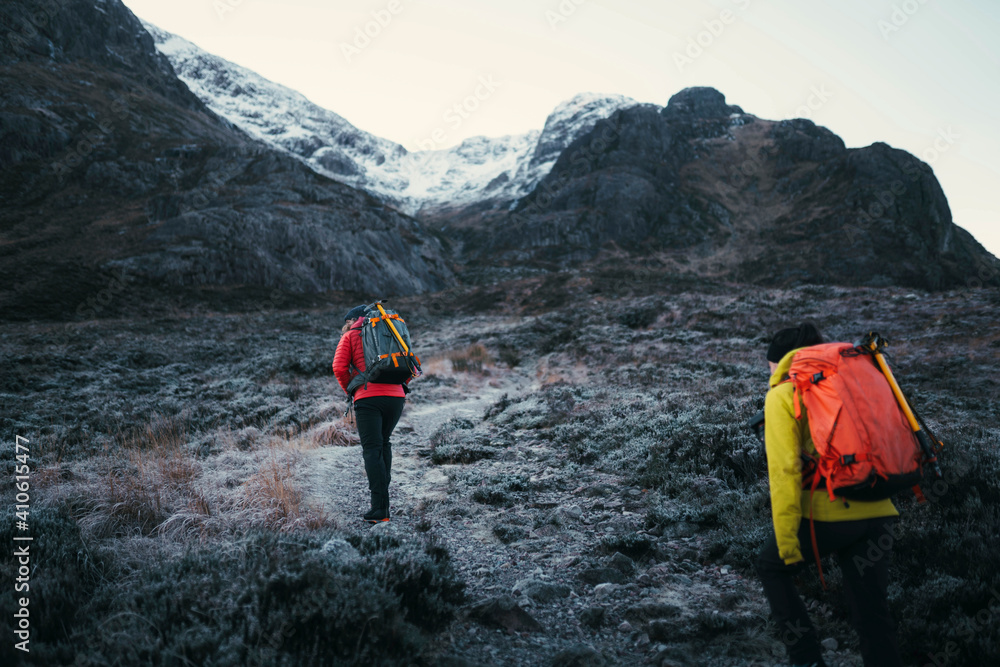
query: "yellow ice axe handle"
385, 318
926, 444
887, 372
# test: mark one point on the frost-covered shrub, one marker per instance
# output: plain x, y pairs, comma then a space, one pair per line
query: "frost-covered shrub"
424, 582
458, 441
639, 317
500, 489
633, 545
945, 554
279, 600
508, 533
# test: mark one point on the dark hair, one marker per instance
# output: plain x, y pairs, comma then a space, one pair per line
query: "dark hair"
786, 340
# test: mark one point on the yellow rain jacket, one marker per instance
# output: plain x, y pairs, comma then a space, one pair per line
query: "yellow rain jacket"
785, 439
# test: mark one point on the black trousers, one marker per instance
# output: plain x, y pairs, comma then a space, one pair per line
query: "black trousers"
863, 549
377, 417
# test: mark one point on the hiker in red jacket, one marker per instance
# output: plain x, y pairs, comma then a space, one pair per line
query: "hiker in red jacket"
847, 529
377, 408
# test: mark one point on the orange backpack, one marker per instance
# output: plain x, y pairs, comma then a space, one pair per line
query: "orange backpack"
867, 450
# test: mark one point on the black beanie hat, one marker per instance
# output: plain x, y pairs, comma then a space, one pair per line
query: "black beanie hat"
793, 338
356, 312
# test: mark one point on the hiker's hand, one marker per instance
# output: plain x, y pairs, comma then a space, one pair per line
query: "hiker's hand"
797, 568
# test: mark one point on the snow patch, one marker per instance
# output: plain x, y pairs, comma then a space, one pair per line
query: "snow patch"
498, 169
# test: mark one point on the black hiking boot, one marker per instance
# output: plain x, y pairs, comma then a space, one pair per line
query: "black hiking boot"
379, 510
377, 514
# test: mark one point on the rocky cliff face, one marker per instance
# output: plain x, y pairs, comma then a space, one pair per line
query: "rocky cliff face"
713, 190
110, 164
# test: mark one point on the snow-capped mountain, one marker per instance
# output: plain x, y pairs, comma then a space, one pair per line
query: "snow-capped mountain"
482, 170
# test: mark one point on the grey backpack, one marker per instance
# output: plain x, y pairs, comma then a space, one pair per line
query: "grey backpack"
385, 341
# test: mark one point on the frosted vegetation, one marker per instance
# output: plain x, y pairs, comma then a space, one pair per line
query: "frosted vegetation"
572, 481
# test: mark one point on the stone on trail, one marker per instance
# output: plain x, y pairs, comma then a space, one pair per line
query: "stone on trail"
541, 591
570, 513
592, 617
605, 590
503, 612
579, 655
622, 563
602, 575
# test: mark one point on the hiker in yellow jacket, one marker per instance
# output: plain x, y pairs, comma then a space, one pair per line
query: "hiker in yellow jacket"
859, 533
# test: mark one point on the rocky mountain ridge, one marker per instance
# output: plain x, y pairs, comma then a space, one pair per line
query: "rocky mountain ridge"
112, 170
706, 188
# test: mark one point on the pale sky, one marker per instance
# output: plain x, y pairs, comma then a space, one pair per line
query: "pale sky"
920, 75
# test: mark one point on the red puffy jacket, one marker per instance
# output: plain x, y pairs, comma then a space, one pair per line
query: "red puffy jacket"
350, 351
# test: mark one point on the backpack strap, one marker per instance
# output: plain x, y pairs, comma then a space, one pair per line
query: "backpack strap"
812, 531
796, 397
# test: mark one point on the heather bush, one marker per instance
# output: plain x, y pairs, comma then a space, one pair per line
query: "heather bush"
500, 489
459, 441
508, 533
638, 318
277, 600
633, 545
509, 355
946, 555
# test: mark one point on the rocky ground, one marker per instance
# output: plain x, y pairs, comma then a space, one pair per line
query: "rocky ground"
573, 455
541, 580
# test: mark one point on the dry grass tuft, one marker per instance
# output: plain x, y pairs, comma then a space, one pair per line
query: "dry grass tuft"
160, 434
276, 489
338, 433
142, 479
473, 359
48, 476
272, 499
131, 502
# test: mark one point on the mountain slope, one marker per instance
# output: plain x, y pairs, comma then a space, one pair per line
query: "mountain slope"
480, 171
710, 189
110, 167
